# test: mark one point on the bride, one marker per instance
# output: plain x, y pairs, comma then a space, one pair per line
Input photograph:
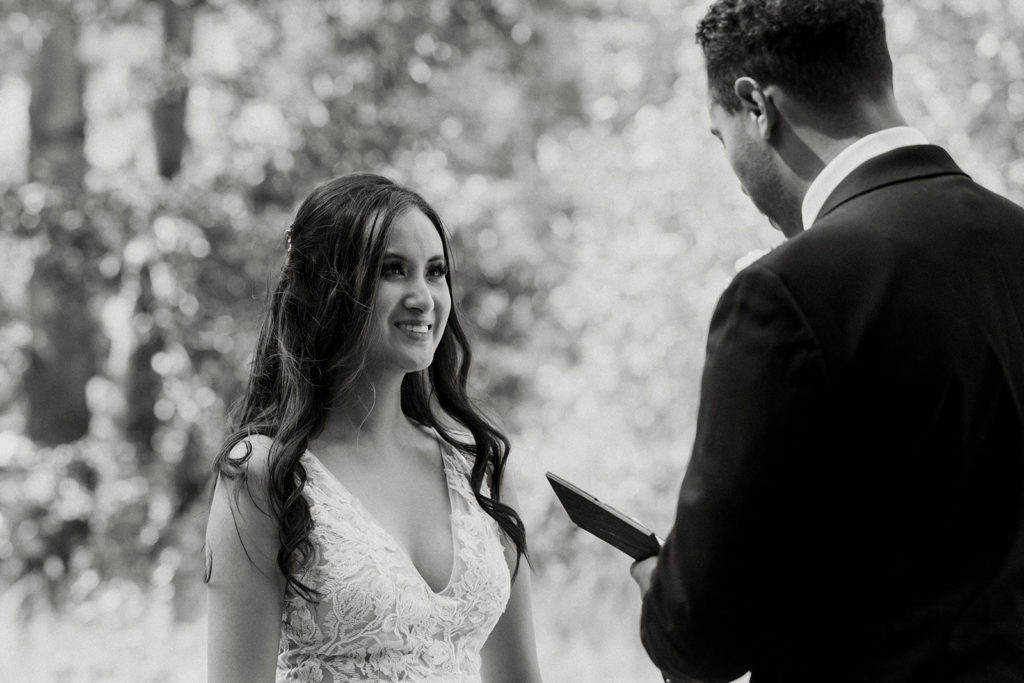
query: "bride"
362, 526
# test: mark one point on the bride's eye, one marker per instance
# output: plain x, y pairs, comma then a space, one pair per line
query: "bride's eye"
392, 269
437, 271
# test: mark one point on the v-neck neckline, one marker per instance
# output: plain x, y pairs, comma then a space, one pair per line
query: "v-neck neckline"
373, 521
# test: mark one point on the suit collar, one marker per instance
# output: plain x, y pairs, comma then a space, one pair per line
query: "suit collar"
847, 160
899, 165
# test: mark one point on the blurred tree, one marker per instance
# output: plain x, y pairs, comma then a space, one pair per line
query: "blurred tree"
178, 19
143, 384
63, 348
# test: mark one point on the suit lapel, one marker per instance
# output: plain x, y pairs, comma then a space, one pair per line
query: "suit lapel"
899, 165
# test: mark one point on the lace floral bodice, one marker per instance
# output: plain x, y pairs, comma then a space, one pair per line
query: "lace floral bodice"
378, 619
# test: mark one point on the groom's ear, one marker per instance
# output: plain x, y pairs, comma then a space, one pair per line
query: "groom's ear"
758, 104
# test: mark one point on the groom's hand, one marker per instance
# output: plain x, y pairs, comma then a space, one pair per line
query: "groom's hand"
641, 572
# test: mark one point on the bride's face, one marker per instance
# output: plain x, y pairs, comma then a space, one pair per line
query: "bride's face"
412, 301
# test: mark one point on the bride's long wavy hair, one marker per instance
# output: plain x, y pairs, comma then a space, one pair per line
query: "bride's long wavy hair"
313, 347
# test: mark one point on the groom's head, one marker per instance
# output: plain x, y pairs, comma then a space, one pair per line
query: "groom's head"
827, 53
779, 68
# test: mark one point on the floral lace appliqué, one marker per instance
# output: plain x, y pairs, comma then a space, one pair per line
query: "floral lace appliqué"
378, 620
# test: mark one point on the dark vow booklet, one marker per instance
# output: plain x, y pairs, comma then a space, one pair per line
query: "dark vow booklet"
604, 521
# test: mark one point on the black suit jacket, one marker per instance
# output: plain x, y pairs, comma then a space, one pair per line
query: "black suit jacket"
853, 509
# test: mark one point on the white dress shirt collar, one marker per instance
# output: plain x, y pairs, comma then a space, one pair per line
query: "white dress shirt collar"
850, 158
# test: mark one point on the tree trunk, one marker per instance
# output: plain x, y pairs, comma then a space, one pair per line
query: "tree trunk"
62, 355
143, 384
169, 110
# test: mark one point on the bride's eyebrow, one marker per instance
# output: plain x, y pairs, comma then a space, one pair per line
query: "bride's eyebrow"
390, 254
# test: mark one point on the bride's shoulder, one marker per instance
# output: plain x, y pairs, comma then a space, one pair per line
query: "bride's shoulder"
242, 528
247, 465
252, 451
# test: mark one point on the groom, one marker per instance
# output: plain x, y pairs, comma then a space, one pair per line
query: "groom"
853, 509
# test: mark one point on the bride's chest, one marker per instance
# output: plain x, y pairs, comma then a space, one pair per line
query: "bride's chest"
359, 561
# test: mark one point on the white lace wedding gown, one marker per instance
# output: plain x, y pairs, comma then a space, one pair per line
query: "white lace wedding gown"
377, 619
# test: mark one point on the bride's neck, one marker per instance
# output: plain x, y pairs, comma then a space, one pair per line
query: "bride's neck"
372, 413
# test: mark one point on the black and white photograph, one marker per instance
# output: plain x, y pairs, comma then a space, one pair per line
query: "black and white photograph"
511, 341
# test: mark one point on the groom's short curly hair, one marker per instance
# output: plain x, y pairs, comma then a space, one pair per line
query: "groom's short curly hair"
824, 52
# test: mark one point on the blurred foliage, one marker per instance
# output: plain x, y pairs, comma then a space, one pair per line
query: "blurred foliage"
594, 219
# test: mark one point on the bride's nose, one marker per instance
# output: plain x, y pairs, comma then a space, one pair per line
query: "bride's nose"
418, 296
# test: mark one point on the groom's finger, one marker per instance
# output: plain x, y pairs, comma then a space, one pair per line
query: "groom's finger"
641, 572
